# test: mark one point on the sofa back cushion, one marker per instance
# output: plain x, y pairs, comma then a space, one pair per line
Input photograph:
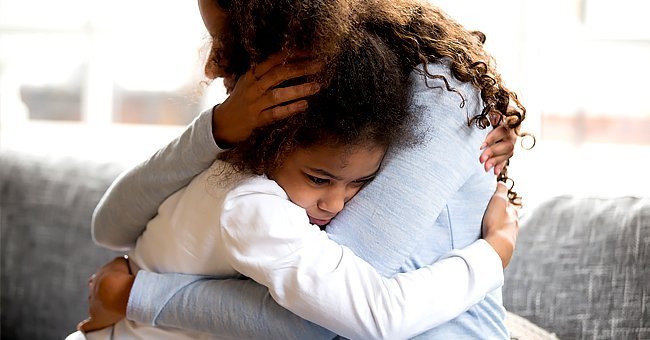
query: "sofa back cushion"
581, 270
46, 206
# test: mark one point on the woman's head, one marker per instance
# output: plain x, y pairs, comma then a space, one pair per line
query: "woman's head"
245, 33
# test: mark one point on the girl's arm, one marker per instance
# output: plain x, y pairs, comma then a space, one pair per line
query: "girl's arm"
271, 241
133, 199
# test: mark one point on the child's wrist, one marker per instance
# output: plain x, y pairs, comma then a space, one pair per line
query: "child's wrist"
502, 245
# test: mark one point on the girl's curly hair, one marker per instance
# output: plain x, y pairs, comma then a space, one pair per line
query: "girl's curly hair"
417, 31
365, 104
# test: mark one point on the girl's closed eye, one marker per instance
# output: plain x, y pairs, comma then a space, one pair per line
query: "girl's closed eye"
363, 181
317, 180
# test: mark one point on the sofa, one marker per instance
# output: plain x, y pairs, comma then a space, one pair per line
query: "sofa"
580, 270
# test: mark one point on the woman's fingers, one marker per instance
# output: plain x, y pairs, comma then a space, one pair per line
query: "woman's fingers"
260, 69
282, 95
281, 73
255, 100
277, 59
282, 111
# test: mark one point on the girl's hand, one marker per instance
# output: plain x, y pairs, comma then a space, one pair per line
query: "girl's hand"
109, 290
498, 147
501, 224
255, 101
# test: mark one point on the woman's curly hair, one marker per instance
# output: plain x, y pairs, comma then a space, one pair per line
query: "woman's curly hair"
256, 29
417, 31
366, 103
421, 33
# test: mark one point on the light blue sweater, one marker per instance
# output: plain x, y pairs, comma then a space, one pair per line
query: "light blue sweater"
426, 201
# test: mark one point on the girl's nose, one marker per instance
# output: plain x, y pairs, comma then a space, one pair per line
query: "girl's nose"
333, 202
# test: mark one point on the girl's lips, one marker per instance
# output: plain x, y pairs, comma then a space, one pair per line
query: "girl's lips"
319, 222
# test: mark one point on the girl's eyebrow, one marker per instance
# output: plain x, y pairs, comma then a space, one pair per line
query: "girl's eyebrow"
324, 173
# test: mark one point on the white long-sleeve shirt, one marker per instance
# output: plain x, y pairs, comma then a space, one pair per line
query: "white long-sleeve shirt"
224, 227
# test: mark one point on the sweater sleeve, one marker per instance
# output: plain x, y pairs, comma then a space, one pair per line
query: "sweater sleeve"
134, 197
230, 308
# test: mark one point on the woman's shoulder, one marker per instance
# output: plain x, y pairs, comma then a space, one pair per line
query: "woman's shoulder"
436, 91
438, 75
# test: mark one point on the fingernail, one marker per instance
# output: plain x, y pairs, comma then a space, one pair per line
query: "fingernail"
315, 88
483, 146
483, 158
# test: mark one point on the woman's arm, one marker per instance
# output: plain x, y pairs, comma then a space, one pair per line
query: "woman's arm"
133, 199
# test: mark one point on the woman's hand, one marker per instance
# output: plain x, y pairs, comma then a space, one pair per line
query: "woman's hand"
256, 101
109, 290
498, 147
501, 224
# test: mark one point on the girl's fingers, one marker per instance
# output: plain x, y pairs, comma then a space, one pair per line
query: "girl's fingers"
495, 161
498, 169
281, 95
495, 136
503, 148
283, 111
498, 163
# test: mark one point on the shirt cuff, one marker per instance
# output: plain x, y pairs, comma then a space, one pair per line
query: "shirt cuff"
484, 262
151, 292
204, 131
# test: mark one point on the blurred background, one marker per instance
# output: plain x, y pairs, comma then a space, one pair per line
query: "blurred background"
115, 80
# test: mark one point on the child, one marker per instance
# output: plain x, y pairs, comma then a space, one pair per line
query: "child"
300, 170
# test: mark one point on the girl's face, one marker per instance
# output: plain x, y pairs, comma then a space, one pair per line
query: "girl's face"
321, 179
214, 19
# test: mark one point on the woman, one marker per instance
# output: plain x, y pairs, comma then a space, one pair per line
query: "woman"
383, 222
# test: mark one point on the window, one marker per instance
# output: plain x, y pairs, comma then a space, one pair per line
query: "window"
96, 65
118, 79
579, 67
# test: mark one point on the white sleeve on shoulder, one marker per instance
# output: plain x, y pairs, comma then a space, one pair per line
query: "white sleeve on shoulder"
270, 240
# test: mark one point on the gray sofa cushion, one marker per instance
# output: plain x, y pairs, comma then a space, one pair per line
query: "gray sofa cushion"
47, 251
581, 268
